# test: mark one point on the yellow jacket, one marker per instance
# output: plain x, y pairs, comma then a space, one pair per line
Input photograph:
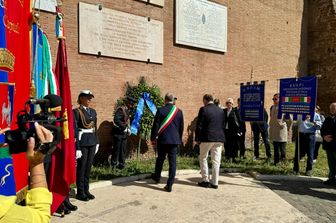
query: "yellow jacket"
38, 202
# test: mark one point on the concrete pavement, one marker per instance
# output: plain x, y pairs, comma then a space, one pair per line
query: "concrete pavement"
239, 198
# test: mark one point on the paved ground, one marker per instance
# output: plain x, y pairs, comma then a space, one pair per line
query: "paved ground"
312, 198
238, 199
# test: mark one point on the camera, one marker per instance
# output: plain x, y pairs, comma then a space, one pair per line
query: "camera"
17, 139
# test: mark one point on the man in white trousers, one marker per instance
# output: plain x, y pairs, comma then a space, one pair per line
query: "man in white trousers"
210, 136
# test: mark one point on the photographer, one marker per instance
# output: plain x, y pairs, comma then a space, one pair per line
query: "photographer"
38, 198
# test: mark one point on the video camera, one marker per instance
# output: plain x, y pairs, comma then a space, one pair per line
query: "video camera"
17, 139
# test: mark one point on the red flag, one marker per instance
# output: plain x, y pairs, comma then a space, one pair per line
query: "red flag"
63, 165
16, 20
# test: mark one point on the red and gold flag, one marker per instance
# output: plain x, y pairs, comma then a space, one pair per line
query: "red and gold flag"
63, 165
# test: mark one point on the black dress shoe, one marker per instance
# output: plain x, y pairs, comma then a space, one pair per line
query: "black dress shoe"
82, 197
89, 195
156, 179
330, 182
62, 210
203, 184
213, 186
168, 188
70, 206
120, 167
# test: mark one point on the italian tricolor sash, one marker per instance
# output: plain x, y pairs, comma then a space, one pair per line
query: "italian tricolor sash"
170, 117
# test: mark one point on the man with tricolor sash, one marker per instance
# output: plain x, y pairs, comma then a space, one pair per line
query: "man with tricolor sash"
166, 135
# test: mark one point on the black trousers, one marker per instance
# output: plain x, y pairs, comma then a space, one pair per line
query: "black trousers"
231, 145
317, 148
164, 150
242, 145
256, 139
119, 151
307, 146
279, 151
84, 168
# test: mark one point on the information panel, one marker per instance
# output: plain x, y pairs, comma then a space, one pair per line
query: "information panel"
154, 2
45, 5
202, 24
252, 102
298, 96
108, 32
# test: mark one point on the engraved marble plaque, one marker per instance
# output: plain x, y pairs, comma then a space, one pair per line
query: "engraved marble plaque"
154, 2
119, 34
202, 24
45, 5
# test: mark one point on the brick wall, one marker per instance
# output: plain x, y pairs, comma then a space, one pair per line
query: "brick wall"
266, 35
322, 49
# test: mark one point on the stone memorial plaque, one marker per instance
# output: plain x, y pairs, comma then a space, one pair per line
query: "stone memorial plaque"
154, 2
118, 34
45, 5
202, 24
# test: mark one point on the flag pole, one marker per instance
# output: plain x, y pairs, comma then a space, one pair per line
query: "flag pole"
138, 153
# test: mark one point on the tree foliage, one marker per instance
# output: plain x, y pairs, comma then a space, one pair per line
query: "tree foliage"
136, 91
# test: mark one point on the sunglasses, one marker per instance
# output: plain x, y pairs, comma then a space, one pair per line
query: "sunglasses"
274, 99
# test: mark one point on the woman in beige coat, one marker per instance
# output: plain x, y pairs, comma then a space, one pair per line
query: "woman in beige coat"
278, 131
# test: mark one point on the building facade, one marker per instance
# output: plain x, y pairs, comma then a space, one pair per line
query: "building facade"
267, 38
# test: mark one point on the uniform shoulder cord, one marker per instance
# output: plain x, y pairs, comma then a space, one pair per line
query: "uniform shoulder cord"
85, 124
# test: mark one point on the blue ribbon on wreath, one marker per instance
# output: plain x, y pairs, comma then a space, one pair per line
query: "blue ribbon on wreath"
145, 98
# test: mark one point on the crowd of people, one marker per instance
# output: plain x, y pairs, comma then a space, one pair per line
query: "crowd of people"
227, 132
218, 129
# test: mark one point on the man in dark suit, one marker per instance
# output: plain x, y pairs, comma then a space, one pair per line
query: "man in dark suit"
209, 135
232, 130
121, 129
261, 128
166, 135
86, 143
328, 132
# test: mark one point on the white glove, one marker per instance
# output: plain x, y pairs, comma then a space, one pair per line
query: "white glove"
97, 148
127, 131
78, 154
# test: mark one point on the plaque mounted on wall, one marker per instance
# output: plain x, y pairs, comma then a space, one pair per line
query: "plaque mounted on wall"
45, 5
113, 33
201, 24
154, 2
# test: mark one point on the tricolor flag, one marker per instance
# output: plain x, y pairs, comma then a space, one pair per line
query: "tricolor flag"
296, 99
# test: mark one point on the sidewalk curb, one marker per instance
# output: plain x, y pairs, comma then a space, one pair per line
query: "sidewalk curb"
262, 177
253, 174
120, 180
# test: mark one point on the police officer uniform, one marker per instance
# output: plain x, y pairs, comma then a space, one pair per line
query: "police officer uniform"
86, 145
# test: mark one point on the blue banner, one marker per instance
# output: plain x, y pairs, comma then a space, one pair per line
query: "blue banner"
145, 97
252, 102
298, 97
37, 60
